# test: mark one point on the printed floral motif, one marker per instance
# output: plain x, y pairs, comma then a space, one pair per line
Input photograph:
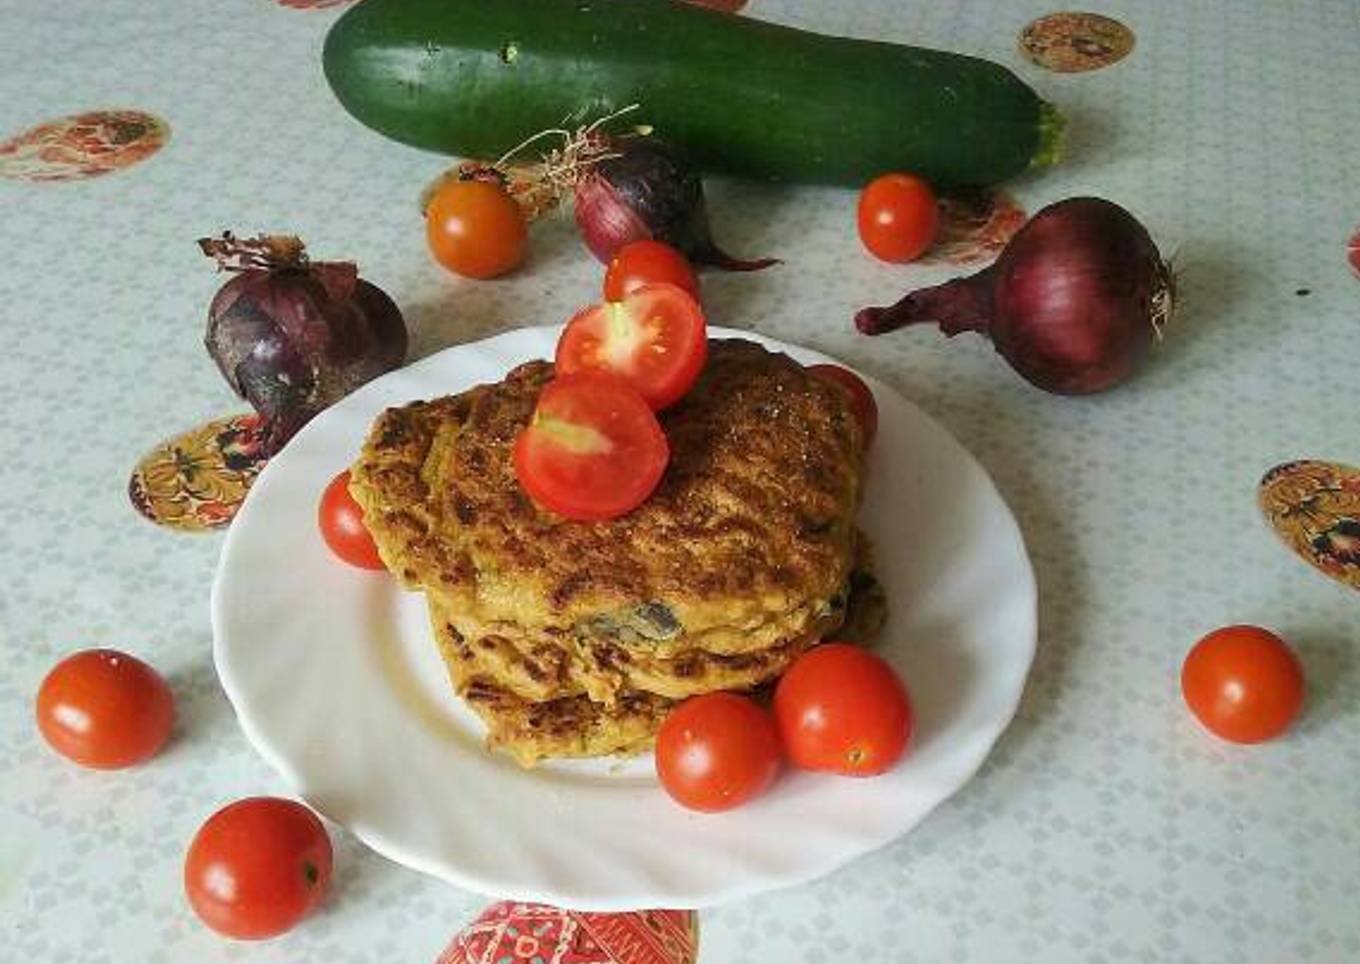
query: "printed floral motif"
1315, 508
1074, 42
1353, 252
512, 933
83, 146
197, 481
974, 227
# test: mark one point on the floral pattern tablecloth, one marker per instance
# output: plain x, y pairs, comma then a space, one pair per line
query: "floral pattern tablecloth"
1106, 826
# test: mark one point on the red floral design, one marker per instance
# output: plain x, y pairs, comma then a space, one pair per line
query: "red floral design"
1353, 252
197, 481
1315, 509
83, 146
512, 933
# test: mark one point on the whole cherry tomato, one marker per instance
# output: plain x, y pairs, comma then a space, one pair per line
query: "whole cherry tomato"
105, 709
843, 709
898, 217
257, 867
341, 520
717, 751
475, 229
1243, 683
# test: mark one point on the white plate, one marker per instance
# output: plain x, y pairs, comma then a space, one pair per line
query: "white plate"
336, 681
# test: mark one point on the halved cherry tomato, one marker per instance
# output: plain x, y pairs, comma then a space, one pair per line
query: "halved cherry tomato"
861, 398
641, 263
593, 449
342, 525
1243, 683
257, 867
105, 709
898, 217
655, 338
717, 751
843, 709
475, 229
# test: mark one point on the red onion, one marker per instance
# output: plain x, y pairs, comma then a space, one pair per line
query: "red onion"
1073, 302
291, 336
640, 190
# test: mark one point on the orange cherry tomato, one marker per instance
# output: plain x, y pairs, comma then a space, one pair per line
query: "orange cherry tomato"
593, 449
475, 229
257, 867
717, 751
105, 709
341, 520
843, 709
641, 263
655, 338
1243, 683
861, 398
898, 217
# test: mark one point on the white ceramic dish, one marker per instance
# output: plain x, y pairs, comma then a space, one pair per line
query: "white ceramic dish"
335, 679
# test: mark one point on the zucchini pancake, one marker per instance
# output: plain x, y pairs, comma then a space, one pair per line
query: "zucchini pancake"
576, 638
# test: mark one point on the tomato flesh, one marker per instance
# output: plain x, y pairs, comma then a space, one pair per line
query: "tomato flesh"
898, 217
655, 338
842, 709
475, 229
104, 709
640, 263
861, 398
717, 751
257, 867
1243, 683
341, 521
593, 450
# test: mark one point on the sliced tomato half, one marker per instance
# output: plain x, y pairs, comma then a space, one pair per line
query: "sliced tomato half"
593, 449
655, 338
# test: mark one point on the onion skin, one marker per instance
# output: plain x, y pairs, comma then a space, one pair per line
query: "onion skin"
1073, 303
642, 191
292, 337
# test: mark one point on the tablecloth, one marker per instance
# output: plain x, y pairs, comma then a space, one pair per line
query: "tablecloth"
1106, 826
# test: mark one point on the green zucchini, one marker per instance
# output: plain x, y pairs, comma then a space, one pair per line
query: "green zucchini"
735, 95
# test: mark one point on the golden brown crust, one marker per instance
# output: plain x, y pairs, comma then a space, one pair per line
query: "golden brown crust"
565, 726
752, 520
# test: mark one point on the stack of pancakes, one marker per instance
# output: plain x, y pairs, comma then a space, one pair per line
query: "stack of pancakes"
574, 638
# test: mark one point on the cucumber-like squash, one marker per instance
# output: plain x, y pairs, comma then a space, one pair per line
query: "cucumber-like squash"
735, 95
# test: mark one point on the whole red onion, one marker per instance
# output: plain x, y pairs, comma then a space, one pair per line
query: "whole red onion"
1073, 302
641, 190
291, 336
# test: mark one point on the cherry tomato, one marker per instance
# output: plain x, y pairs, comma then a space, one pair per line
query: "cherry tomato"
592, 450
475, 229
843, 709
1243, 683
898, 217
105, 709
342, 526
861, 398
655, 338
257, 867
717, 751
641, 263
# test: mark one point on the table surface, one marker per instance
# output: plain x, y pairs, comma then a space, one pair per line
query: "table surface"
1106, 825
